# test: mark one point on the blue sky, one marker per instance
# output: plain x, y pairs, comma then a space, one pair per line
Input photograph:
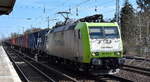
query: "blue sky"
30, 13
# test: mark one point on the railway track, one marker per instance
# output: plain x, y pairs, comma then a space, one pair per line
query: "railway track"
139, 70
54, 74
32, 71
117, 78
27, 72
88, 77
137, 58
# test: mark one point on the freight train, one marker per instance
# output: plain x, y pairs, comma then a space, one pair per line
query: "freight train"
87, 44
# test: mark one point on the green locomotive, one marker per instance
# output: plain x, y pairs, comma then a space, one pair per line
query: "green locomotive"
93, 46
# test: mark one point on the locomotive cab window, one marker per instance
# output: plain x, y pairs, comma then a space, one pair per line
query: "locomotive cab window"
111, 32
96, 32
103, 32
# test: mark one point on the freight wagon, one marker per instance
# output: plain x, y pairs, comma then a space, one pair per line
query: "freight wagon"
34, 40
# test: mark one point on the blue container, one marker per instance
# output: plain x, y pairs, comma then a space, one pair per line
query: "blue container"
42, 39
36, 40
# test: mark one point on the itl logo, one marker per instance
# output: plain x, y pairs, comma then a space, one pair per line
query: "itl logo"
107, 41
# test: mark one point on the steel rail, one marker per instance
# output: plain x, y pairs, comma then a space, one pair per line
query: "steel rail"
23, 76
137, 58
139, 70
43, 74
119, 78
48, 67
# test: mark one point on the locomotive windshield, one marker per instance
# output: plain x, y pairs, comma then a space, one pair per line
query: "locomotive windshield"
104, 32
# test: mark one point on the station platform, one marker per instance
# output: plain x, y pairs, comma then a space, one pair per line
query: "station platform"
7, 71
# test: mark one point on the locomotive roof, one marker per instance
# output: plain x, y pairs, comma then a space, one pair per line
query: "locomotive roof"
107, 24
102, 24
95, 20
73, 26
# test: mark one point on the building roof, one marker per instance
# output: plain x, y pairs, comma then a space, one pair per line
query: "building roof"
6, 6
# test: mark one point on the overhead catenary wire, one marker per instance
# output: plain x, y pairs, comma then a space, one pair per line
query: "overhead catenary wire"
95, 8
77, 9
48, 10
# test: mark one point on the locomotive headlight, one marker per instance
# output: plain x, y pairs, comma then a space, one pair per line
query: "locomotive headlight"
93, 54
96, 62
118, 53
